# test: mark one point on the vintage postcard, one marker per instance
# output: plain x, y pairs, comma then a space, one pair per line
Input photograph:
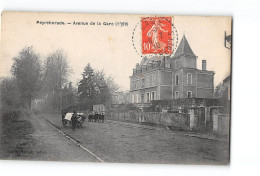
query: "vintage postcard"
115, 88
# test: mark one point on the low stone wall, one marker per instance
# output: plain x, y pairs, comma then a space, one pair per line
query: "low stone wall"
207, 121
166, 119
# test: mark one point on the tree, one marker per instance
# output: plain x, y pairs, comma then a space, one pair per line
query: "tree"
9, 93
56, 70
121, 97
95, 88
69, 97
6, 85
27, 71
86, 88
56, 73
218, 91
106, 86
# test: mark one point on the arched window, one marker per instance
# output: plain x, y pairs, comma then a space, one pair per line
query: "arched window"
137, 84
177, 96
148, 97
176, 79
189, 79
151, 81
133, 84
153, 96
189, 94
154, 79
143, 83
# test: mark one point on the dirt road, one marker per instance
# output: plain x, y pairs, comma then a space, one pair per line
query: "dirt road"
34, 139
42, 137
124, 142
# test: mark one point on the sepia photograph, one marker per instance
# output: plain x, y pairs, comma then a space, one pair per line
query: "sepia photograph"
115, 88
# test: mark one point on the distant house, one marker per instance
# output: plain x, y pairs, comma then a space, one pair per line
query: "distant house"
164, 77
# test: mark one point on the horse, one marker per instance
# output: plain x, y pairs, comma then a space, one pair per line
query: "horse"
96, 117
101, 117
81, 120
90, 117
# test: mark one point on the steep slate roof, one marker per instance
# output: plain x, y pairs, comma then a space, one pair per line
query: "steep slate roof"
146, 60
184, 48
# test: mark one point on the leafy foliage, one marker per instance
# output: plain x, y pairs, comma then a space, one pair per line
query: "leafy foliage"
27, 71
56, 71
9, 93
95, 88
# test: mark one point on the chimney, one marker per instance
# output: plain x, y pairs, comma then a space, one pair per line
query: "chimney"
204, 64
137, 66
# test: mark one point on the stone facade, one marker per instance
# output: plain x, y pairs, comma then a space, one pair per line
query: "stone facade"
164, 77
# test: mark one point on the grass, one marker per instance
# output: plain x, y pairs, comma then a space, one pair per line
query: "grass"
15, 135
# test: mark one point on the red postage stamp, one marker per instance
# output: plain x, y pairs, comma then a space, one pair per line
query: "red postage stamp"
156, 35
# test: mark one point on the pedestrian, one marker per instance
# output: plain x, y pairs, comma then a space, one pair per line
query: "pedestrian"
102, 117
63, 115
74, 120
96, 117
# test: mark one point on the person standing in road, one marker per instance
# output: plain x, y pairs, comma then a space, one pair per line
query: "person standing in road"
74, 120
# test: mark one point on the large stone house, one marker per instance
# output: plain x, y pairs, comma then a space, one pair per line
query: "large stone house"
164, 77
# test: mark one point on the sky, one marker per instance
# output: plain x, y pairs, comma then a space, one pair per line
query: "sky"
106, 47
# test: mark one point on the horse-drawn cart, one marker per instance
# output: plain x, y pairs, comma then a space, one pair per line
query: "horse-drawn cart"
80, 118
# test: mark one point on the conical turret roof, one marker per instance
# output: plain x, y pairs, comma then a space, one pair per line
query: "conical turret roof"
184, 48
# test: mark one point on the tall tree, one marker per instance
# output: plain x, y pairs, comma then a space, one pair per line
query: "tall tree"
86, 88
106, 87
95, 88
27, 70
56, 73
